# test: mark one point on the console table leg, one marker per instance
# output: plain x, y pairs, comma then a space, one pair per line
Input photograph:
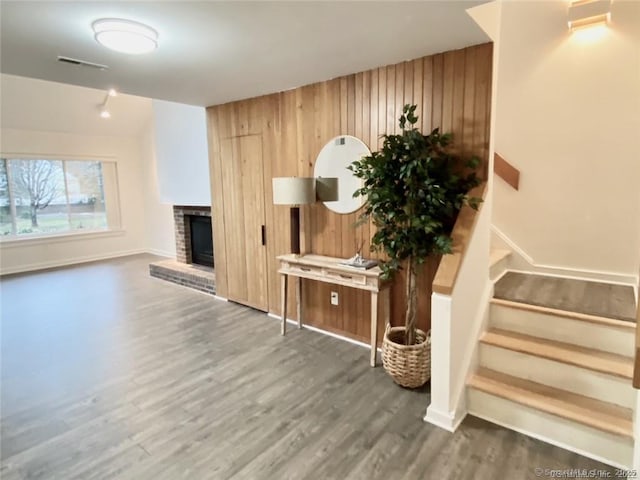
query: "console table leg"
374, 327
299, 300
284, 280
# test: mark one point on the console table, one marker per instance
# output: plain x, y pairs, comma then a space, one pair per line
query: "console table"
329, 270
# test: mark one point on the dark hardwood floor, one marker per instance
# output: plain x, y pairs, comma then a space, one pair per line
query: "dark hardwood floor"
108, 373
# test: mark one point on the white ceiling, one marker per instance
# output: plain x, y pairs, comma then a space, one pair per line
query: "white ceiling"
214, 52
31, 104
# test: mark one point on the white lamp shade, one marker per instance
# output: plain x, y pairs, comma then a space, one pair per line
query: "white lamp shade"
294, 190
327, 189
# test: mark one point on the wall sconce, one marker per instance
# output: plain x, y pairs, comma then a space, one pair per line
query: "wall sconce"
588, 13
104, 112
294, 191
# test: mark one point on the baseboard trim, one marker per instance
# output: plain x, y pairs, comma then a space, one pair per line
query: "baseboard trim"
564, 272
449, 421
324, 332
499, 277
161, 253
549, 440
222, 299
68, 262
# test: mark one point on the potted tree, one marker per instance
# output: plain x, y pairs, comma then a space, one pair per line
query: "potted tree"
414, 188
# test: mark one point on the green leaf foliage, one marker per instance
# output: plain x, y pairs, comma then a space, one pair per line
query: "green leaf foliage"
414, 189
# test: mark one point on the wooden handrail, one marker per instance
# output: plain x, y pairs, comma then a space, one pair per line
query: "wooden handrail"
447, 273
636, 363
506, 171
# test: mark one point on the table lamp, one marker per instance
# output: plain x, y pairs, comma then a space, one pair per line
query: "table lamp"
294, 191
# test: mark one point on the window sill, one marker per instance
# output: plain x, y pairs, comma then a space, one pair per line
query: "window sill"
13, 242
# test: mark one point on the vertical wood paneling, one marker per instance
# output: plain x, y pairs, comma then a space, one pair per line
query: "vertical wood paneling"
399, 100
437, 91
418, 85
273, 166
373, 112
457, 100
452, 91
391, 99
482, 112
428, 96
217, 201
448, 88
382, 107
468, 125
243, 217
408, 83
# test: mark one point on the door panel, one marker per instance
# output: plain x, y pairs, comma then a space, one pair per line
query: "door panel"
244, 216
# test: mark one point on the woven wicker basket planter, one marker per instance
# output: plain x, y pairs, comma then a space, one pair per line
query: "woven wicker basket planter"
408, 365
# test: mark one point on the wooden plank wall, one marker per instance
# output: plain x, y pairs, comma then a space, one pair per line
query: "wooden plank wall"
452, 91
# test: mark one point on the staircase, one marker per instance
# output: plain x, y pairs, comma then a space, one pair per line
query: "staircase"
556, 363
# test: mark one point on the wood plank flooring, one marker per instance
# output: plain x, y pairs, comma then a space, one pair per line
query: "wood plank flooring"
591, 298
108, 373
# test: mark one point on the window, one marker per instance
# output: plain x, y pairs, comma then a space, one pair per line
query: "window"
44, 197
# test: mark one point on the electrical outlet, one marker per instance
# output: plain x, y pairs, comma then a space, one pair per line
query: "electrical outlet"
334, 298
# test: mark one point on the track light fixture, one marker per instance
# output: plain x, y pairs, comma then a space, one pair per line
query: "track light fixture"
104, 112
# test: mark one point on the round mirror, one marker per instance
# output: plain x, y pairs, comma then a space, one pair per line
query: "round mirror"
332, 161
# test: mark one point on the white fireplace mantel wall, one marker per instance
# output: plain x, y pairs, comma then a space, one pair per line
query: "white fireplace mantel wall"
182, 158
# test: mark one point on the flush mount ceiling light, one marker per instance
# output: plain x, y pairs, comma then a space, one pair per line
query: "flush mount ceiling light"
588, 13
125, 36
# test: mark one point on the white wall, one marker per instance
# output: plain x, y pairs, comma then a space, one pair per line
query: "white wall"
159, 227
41, 117
35, 254
568, 117
181, 153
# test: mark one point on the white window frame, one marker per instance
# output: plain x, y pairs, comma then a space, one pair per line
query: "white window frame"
112, 202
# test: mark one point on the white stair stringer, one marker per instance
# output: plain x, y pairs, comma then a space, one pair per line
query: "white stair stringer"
602, 446
605, 334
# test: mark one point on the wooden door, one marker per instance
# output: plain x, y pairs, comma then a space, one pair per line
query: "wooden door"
244, 220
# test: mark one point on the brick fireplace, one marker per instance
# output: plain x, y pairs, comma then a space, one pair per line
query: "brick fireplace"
183, 270
182, 227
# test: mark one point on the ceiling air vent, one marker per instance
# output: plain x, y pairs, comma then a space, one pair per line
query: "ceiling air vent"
81, 63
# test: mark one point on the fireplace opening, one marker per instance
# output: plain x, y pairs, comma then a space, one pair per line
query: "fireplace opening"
201, 240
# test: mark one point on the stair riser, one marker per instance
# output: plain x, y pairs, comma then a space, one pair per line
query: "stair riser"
601, 337
587, 441
600, 386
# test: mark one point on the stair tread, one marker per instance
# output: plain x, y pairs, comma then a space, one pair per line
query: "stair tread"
574, 295
623, 324
588, 411
497, 254
579, 356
